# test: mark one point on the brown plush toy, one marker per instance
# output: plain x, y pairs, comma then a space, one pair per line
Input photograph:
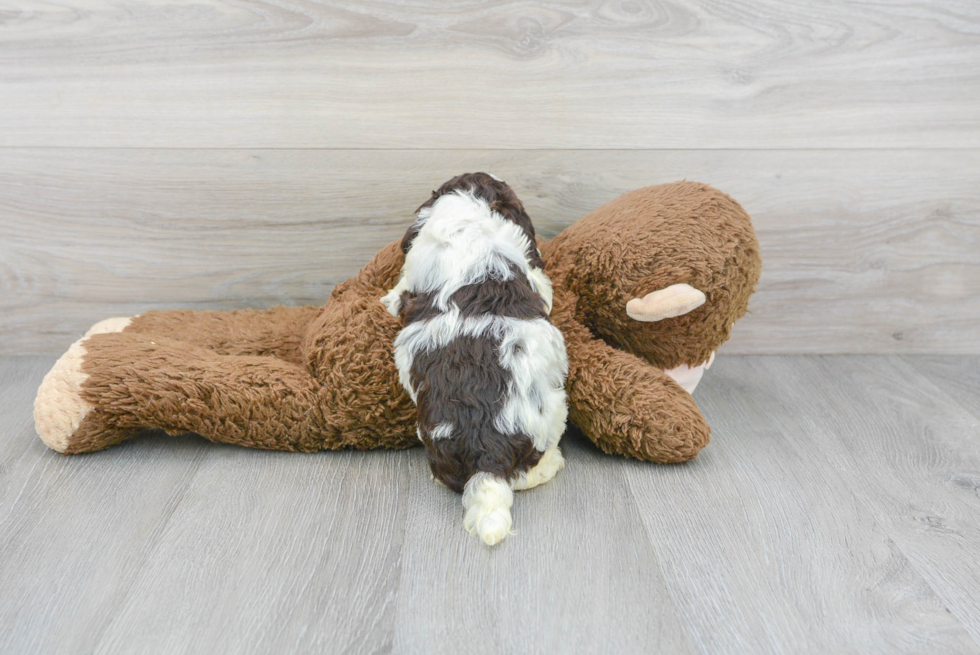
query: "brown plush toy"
646, 288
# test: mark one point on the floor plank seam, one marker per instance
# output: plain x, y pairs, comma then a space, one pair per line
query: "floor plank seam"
905, 359
923, 575
692, 637
151, 552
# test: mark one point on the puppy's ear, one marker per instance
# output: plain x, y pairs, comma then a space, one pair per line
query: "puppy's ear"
428, 203
410, 237
419, 219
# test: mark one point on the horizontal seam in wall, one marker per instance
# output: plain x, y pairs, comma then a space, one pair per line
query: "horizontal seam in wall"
482, 149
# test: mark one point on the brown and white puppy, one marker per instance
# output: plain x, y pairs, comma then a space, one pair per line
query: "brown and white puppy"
477, 353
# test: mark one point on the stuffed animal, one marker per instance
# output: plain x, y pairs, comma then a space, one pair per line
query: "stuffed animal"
646, 289
477, 353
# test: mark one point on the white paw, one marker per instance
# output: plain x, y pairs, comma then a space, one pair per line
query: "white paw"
59, 408
393, 301
114, 324
546, 468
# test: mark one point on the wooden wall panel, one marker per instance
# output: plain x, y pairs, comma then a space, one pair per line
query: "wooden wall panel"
508, 74
866, 251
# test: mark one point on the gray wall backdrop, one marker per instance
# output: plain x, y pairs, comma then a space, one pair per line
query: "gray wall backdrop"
240, 153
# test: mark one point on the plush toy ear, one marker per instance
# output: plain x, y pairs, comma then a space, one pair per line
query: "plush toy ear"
675, 300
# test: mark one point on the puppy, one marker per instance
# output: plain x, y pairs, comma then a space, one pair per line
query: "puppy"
477, 353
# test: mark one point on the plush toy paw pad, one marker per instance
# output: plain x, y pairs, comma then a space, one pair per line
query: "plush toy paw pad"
59, 407
114, 324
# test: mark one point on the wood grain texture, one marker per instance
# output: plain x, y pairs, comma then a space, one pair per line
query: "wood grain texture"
75, 532
775, 537
833, 512
17, 391
907, 452
574, 591
268, 553
511, 74
956, 376
864, 251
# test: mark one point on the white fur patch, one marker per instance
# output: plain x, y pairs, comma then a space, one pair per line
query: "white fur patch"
534, 354
462, 241
441, 431
542, 286
393, 299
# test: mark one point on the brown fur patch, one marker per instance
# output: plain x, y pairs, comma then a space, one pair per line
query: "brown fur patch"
276, 332
137, 380
464, 385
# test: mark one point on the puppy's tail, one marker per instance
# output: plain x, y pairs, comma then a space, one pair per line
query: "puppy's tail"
487, 500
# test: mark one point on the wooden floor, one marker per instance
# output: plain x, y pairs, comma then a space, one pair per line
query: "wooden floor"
837, 510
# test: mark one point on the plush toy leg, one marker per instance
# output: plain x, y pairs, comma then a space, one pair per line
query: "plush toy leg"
349, 348
109, 385
59, 409
114, 324
277, 332
650, 416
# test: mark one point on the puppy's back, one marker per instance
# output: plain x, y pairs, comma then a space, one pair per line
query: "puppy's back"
477, 353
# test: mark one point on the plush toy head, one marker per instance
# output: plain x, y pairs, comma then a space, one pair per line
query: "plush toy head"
654, 278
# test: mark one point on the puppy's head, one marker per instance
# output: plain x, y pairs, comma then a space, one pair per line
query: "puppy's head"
498, 195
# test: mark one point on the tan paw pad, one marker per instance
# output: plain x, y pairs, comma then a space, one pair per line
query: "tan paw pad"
114, 324
59, 408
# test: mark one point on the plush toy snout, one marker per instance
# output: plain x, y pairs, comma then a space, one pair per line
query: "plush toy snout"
675, 300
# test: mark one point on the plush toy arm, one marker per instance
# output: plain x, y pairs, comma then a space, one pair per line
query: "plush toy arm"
622, 403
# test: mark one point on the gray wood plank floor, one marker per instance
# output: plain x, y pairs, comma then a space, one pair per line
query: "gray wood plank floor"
836, 510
